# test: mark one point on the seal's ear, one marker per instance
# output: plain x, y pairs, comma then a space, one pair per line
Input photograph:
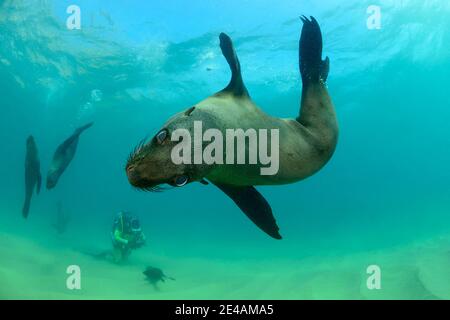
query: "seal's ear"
236, 85
253, 204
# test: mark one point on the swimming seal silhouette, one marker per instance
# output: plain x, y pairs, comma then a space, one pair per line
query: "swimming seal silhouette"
306, 143
32, 174
63, 156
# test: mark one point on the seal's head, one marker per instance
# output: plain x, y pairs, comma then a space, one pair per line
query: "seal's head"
152, 163
31, 147
30, 142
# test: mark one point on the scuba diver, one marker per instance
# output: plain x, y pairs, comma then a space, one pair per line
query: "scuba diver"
126, 235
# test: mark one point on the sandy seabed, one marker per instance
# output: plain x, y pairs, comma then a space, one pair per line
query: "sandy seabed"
30, 270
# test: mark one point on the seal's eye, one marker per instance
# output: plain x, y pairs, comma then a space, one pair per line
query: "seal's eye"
181, 181
162, 136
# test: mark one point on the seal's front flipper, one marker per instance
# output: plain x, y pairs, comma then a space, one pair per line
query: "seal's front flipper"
312, 68
253, 204
236, 85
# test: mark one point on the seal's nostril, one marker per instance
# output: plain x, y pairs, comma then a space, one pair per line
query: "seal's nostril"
130, 169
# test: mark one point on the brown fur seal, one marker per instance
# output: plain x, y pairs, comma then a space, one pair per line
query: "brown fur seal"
305, 143
32, 174
63, 156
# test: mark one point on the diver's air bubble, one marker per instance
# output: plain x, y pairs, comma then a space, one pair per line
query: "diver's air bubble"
85, 111
96, 95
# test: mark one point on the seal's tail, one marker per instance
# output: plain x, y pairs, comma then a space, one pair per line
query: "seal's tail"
312, 67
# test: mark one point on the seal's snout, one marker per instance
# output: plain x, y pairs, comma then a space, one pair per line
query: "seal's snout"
132, 174
136, 178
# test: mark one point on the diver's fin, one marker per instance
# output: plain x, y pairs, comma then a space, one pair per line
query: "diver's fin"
103, 255
204, 182
312, 68
253, 204
236, 85
38, 183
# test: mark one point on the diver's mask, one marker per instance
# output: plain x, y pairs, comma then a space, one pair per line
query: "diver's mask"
135, 226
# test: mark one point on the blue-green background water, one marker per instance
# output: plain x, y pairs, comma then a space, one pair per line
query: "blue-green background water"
133, 64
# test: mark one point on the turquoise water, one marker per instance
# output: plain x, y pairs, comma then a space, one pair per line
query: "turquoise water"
382, 199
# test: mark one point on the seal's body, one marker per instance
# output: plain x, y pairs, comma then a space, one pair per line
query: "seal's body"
63, 156
305, 143
302, 150
32, 174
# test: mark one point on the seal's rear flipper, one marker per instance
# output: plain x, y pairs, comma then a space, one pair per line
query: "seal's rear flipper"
81, 129
236, 85
253, 204
312, 68
75, 135
26, 206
